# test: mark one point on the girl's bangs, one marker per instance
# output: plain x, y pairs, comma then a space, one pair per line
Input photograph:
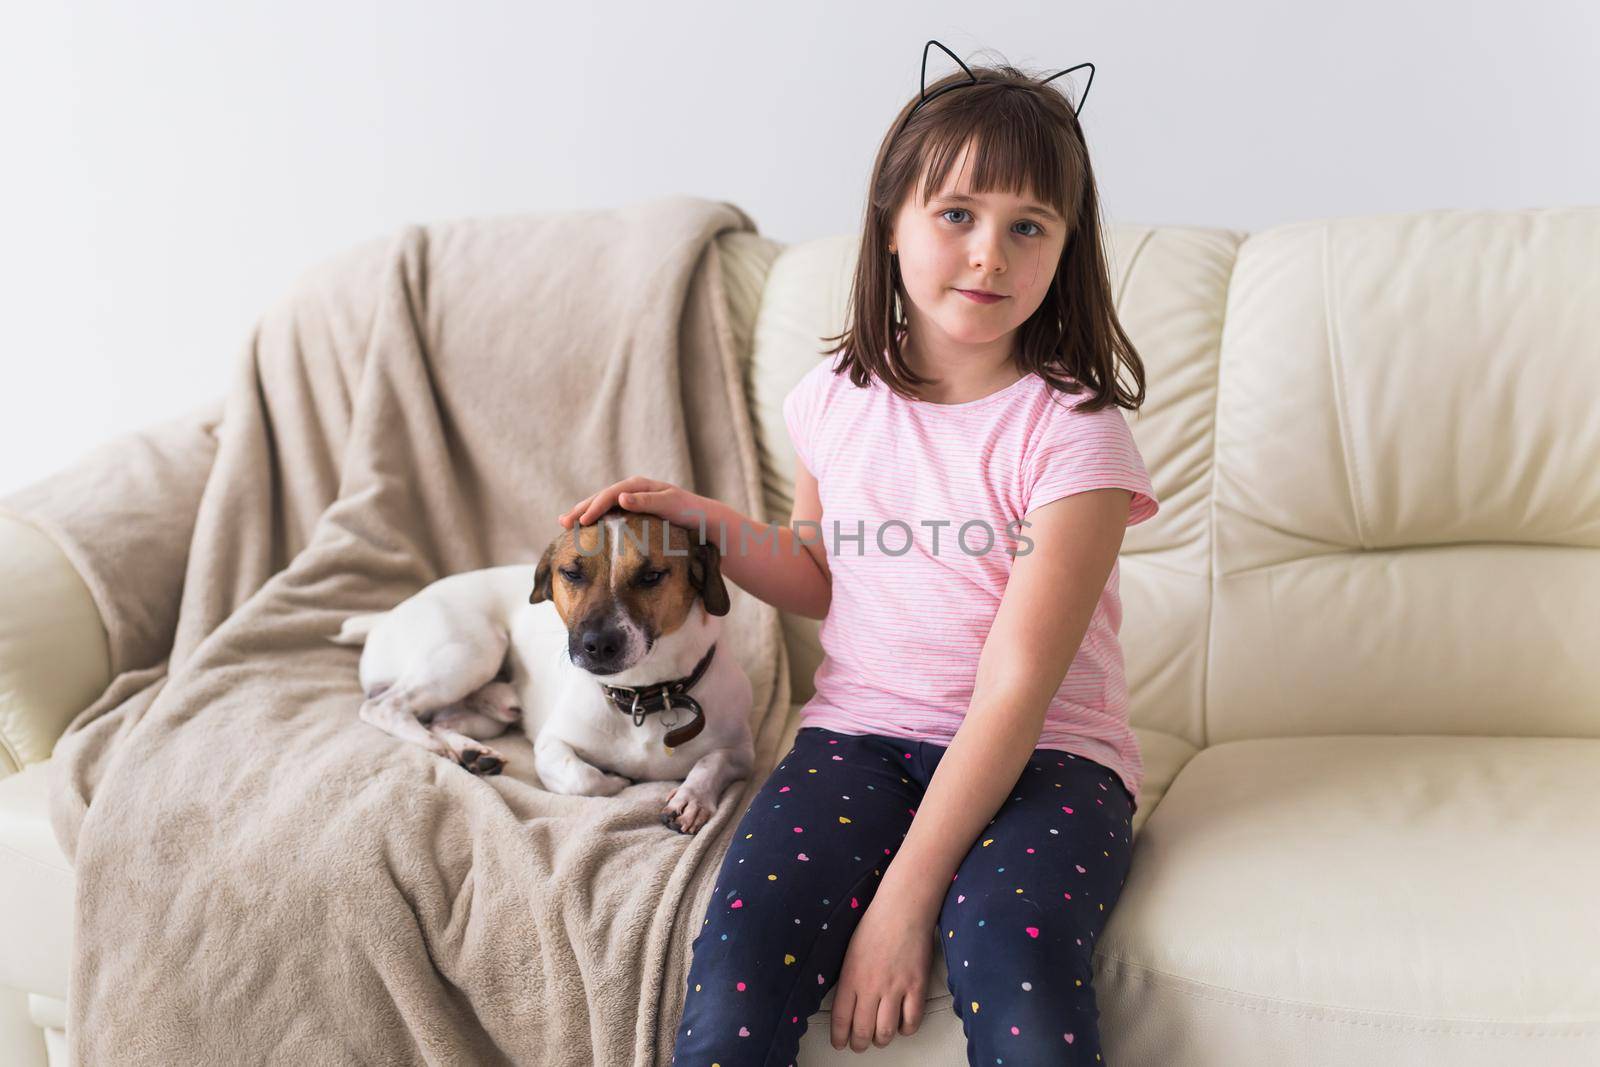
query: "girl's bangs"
1019, 157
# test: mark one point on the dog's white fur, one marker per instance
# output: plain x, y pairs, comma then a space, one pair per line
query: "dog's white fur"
429, 672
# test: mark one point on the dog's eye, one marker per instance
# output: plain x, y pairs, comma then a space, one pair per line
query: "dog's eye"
651, 577
572, 575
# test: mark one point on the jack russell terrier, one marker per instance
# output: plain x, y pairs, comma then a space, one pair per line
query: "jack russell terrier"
612, 656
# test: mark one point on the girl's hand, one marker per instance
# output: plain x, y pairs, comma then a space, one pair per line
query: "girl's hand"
638, 493
884, 980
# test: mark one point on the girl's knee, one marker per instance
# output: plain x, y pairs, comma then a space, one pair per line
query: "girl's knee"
1031, 1022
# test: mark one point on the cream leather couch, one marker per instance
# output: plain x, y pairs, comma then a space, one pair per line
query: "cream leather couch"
1362, 637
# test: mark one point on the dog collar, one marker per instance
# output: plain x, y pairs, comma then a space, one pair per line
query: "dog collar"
664, 696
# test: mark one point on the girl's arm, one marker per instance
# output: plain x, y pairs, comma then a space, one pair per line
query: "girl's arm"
1044, 613
785, 569
788, 570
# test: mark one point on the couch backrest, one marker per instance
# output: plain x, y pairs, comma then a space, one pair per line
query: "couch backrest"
1376, 441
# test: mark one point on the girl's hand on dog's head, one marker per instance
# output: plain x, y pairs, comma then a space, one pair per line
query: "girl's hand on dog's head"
638, 493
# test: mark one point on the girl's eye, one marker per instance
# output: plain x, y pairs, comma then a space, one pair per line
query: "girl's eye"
1025, 222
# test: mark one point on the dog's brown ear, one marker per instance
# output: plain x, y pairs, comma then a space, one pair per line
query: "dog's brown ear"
705, 574
541, 576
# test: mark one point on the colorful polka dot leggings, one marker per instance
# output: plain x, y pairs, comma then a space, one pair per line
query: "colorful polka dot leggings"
1018, 924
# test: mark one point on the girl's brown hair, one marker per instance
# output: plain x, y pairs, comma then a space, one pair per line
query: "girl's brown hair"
1026, 139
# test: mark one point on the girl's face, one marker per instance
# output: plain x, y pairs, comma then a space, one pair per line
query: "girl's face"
994, 242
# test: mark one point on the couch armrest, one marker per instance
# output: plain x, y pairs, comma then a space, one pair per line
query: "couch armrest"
54, 658
123, 516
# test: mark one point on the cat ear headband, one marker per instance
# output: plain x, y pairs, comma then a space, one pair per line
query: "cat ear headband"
973, 80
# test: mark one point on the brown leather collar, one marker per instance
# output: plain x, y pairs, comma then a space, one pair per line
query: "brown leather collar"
663, 696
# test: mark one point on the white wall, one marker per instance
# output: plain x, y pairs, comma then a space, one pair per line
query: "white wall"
169, 168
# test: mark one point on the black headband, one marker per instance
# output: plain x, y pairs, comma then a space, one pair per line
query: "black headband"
973, 80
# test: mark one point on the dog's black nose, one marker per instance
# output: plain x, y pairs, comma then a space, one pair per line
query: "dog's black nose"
602, 645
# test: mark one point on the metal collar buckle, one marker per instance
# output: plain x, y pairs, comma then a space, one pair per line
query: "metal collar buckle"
666, 706
638, 713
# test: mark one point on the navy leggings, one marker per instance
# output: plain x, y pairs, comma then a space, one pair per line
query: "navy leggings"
1018, 923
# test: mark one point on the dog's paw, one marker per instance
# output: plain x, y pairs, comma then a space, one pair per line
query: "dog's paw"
686, 810
483, 761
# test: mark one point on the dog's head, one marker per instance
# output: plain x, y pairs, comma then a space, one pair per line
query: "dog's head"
624, 582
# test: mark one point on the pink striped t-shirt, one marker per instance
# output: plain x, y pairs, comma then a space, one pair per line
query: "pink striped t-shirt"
922, 504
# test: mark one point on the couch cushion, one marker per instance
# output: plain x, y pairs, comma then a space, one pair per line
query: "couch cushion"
1406, 443
54, 659
35, 888
1363, 899
805, 286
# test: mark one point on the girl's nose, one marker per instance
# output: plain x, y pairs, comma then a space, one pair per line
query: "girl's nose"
988, 254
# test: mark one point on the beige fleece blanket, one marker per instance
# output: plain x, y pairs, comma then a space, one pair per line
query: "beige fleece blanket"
264, 878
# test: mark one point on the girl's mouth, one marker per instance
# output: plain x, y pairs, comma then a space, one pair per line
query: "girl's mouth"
980, 298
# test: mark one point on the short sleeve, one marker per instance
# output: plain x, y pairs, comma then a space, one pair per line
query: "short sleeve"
1079, 451
798, 411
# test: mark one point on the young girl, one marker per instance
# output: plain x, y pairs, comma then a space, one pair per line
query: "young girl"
966, 768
